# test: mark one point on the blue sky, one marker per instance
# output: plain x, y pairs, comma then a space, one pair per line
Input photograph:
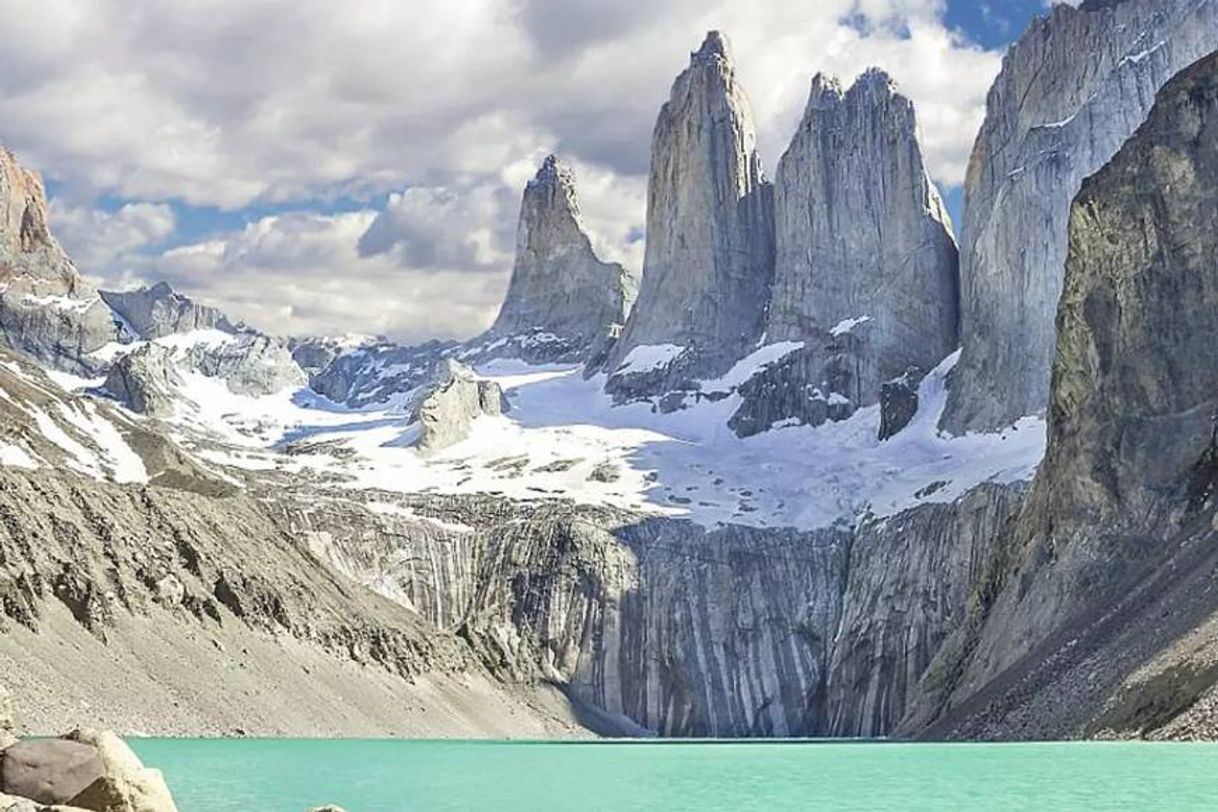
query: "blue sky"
246, 169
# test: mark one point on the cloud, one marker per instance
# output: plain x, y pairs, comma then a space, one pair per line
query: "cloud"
443, 109
108, 242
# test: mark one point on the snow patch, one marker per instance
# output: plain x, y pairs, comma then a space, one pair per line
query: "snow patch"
647, 357
847, 325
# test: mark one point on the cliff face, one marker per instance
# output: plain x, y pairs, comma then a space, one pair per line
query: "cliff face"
1094, 613
159, 311
710, 225
1071, 91
47, 310
862, 235
560, 292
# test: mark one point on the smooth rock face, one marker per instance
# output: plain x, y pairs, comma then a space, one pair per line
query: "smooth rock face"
710, 224
559, 287
158, 311
446, 413
50, 771
1071, 91
862, 236
47, 310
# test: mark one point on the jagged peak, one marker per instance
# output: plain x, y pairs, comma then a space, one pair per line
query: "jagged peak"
556, 176
715, 49
872, 87
875, 79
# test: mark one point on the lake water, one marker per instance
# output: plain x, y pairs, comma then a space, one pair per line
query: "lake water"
396, 776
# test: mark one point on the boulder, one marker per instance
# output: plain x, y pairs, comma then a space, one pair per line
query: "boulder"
146, 380
11, 803
50, 771
125, 785
447, 411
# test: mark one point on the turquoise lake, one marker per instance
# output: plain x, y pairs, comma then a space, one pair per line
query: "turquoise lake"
396, 776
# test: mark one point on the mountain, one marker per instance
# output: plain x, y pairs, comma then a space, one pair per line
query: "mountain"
706, 538
562, 301
866, 266
1094, 621
47, 309
1072, 90
709, 258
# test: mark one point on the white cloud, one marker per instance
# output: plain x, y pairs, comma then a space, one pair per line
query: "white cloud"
108, 242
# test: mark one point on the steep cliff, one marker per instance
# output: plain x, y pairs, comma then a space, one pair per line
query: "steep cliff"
1072, 90
710, 229
561, 296
862, 240
47, 310
1095, 608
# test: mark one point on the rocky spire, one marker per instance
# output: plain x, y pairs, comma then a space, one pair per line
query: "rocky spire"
1071, 91
47, 310
558, 285
862, 235
710, 227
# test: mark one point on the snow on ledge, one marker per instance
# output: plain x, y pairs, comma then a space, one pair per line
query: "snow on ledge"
646, 357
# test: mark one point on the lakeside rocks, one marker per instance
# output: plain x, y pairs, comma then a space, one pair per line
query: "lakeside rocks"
1072, 90
561, 296
710, 228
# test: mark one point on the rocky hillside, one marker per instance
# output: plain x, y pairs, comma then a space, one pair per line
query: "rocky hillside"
1072, 90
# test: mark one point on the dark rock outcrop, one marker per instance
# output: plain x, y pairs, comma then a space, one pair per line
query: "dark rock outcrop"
899, 402
1072, 90
710, 229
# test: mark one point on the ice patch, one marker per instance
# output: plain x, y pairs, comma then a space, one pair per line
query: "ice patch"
745, 369
846, 325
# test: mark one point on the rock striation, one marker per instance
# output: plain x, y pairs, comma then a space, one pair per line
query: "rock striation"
709, 257
159, 311
1071, 91
561, 296
47, 310
862, 239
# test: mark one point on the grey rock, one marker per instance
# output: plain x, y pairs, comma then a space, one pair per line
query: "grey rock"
899, 402
804, 388
862, 238
146, 380
1071, 91
252, 364
50, 771
158, 311
315, 354
446, 413
380, 373
7, 713
47, 310
13, 803
911, 576
710, 225
560, 292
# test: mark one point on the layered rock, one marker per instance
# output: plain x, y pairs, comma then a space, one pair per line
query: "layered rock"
146, 380
562, 300
1094, 612
159, 311
710, 229
47, 310
1071, 91
864, 245
446, 413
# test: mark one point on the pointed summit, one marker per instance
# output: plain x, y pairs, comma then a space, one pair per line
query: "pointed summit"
710, 225
715, 48
862, 239
559, 287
